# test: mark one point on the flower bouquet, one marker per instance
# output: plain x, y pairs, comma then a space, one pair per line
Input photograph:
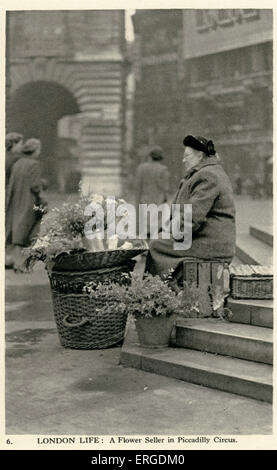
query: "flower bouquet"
83, 236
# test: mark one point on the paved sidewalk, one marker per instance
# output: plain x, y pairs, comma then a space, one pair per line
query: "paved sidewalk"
52, 390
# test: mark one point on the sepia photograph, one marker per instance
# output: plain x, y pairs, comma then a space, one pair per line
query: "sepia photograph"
138, 226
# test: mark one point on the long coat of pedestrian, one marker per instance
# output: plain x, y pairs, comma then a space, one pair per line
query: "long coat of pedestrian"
151, 183
22, 194
11, 159
151, 187
208, 189
14, 144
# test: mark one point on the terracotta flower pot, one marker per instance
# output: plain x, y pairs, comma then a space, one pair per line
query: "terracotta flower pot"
155, 332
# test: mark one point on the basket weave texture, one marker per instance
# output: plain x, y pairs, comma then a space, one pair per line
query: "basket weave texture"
80, 325
84, 261
251, 282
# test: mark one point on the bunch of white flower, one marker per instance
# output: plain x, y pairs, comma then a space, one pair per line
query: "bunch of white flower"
97, 198
41, 243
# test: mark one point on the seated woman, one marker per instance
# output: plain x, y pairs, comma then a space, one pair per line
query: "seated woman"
207, 188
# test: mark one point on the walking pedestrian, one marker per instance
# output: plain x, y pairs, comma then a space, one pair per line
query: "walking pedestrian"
22, 195
14, 144
151, 183
238, 179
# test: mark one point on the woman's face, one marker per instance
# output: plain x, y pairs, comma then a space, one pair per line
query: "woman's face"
191, 158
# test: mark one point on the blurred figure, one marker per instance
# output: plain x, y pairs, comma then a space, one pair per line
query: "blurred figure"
258, 182
23, 194
14, 144
151, 182
237, 180
269, 176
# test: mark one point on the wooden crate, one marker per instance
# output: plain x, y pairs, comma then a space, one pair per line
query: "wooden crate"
206, 274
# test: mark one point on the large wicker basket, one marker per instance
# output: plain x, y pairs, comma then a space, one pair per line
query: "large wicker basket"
86, 260
251, 282
78, 323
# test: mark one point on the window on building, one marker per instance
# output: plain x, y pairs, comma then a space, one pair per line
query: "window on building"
193, 71
203, 20
250, 14
234, 116
231, 63
200, 18
219, 125
267, 55
44, 33
254, 110
257, 57
151, 135
225, 16
246, 60
224, 64
216, 72
17, 38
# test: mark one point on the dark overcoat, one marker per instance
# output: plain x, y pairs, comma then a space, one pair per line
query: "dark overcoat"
151, 183
151, 187
22, 194
11, 159
208, 189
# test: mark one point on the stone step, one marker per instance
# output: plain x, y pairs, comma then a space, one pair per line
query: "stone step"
252, 312
247, 378
253, 343
252, 251
102, 146
264, 234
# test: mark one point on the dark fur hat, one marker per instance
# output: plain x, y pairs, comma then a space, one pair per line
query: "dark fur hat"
200, 143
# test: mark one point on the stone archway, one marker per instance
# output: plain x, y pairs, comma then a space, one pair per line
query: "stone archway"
96, 87
35, 110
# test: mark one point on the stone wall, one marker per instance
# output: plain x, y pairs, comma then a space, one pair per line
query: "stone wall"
83, 51
159, 73
214, 77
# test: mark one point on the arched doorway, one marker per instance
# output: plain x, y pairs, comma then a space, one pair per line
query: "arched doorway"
35, 110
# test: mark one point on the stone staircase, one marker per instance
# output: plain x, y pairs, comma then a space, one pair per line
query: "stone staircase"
264, 234
228, 356
234, 356
255, 247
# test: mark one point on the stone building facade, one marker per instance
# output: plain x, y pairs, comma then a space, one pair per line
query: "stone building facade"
223, 86
67, 72
158, 66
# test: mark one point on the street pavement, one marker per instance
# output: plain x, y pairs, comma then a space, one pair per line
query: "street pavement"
53, 390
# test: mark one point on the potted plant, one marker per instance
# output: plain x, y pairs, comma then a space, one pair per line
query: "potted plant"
151, 302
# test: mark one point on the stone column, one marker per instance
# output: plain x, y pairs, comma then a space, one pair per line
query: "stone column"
99, 89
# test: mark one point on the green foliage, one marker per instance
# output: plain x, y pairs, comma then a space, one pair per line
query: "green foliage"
62, 231
153, 297
148, 297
